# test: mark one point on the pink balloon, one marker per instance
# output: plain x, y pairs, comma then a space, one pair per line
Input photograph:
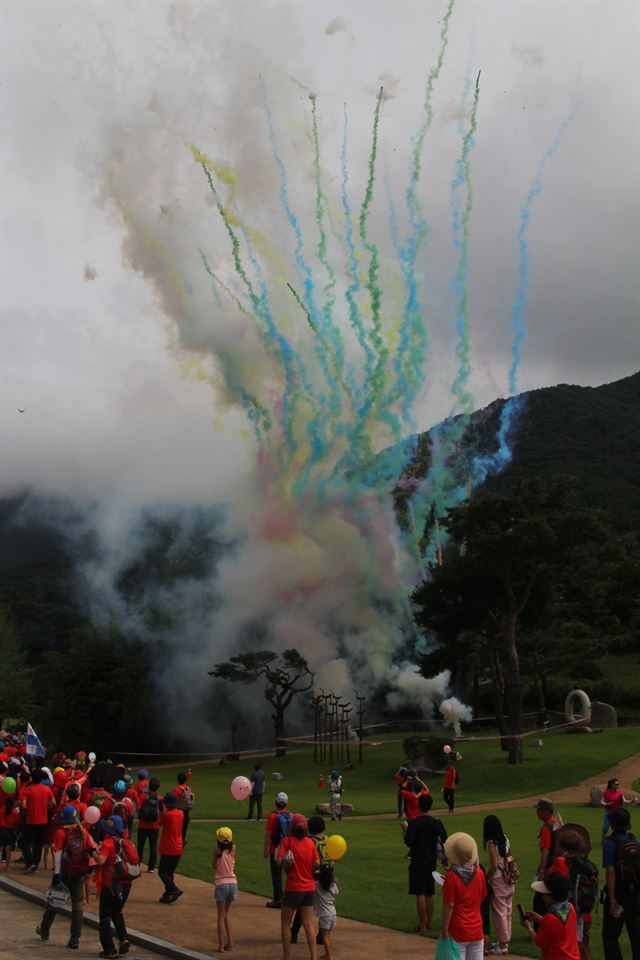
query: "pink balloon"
446, 749
91, 815
240, 788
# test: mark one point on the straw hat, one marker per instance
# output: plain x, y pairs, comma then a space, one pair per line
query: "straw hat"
461, 850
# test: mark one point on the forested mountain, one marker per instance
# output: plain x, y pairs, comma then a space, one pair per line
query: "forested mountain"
51, 635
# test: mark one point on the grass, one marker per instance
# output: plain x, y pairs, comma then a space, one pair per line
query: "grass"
375, 848
376, 851
562, 761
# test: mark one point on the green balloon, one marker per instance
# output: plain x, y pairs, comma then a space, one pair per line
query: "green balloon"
9, 785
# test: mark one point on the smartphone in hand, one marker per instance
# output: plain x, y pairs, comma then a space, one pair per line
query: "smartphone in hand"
522, 913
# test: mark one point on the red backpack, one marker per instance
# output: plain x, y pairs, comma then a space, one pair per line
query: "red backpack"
75, 855
127, 861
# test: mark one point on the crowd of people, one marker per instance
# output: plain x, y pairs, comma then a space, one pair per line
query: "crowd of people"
78, 818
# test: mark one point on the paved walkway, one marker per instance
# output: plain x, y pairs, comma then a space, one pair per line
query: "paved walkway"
190, 922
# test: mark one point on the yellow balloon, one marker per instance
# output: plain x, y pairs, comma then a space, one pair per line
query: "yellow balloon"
336, 847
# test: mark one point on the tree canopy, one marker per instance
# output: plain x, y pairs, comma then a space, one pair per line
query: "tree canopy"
286, 674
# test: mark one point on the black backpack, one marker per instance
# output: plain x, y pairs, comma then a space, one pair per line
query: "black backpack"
583, 875
627, 867
150, 809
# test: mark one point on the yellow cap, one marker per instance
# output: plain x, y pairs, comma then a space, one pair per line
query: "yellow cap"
225, 834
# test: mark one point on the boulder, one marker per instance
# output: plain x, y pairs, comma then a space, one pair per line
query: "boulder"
603, 714
595, 794
325, 810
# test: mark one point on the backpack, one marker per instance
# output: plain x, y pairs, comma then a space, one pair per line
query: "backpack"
583, 874
186, 798
75, 855
127, 861
150, 809
510, 870
99, 797
120, 809
283, 826
627, 867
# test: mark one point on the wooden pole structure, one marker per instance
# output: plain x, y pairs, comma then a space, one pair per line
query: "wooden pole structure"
360, 716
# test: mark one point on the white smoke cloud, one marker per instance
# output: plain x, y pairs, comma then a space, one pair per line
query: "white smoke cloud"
455, 713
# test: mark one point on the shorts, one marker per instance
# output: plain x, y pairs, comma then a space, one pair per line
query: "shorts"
327, 921
297, 898
226, 892
421, 882
7, 838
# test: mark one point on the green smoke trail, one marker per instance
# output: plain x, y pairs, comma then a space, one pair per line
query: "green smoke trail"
459, 387
414, 338
332, 331
376, 397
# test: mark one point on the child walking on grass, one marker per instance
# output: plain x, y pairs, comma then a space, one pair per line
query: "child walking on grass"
226, 884
324, 903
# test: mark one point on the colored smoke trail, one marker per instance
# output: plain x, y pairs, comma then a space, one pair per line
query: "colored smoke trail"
325, 348
414, 341
517, 312
459, 387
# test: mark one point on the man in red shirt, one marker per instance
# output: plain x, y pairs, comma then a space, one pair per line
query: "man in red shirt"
277, 826
113, 896
557, 935
417, 789
149, 814
39, 804
171, 847
186, 800
70, 869
464, 890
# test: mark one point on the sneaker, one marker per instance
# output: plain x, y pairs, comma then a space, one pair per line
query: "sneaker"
165, 898
74, 943
174, 896
151, 869
111, 954
41, 933
274, 904
31, 869
125, 946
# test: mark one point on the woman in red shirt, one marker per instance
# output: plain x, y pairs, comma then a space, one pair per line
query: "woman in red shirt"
557, 935
298, 855
464, 890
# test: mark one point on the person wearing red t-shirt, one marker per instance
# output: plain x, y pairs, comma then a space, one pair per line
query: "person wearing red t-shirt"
298, 854
9, 823
450, 783
39, 804
171, 847
186, 799
120, 805
612, 799
547, 841
113, 897
149, 814
411, 796
400, 778
557, 935
274, 830
463, 891
142, 787
72, 876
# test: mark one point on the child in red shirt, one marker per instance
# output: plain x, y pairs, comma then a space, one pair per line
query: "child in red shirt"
557, 935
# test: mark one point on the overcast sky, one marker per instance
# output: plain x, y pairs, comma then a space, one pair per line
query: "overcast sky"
97, 101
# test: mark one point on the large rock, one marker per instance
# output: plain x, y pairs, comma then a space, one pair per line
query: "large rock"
603, 714
325, 810
596, 794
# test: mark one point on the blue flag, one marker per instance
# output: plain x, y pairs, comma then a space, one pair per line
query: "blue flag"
34, 746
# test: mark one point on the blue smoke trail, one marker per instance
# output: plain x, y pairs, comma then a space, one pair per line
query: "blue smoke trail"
519, 327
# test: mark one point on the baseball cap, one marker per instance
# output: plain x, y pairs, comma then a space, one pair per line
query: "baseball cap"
282, 798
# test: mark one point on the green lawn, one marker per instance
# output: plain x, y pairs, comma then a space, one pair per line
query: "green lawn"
376, 855
562, 761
